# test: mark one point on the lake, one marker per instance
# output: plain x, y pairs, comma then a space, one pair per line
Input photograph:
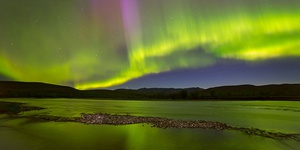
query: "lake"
279, 116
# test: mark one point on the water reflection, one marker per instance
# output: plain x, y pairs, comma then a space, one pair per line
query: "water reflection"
23, 134
132, 137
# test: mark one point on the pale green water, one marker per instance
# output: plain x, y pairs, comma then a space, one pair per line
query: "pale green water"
276, 116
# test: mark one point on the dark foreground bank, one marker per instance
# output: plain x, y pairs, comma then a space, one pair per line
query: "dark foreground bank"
12, 108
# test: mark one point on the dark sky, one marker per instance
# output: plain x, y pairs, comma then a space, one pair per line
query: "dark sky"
142, 43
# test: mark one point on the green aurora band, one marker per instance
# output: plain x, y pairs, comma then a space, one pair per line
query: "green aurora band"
97, 44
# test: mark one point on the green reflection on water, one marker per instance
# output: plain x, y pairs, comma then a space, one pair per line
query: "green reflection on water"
278, 116
53, 135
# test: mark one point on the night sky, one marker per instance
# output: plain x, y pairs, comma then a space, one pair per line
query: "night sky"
150, 43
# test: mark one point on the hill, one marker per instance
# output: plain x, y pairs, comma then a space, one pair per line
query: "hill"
34, 89
9, 89
273, 92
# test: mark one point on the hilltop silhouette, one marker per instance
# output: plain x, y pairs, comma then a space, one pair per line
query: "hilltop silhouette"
12, 89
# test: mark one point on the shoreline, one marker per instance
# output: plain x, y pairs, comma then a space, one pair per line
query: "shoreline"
164, 123
13, 109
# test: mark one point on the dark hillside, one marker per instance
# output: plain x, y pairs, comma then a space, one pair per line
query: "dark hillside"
34, 89
290, 91
239, 92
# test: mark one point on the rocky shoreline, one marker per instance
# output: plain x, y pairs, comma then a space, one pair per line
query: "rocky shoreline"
13, 109
159, 122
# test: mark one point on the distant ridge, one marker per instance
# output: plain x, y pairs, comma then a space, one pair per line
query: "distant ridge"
11, 89
28, 85
272, 91
34, 89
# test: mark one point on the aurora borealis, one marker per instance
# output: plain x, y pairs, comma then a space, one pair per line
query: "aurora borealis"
104, 43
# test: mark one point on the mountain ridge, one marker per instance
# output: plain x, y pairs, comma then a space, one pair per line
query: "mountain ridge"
14, 89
